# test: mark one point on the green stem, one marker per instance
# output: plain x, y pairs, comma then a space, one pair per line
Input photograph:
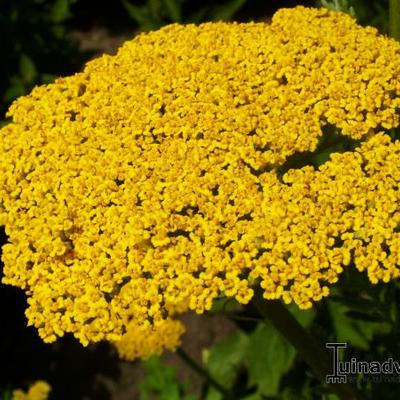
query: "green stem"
203, 372
394, 19
312, 352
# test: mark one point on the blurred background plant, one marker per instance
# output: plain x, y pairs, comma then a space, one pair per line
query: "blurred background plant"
367, 12
35, 46
6, 394
155, 13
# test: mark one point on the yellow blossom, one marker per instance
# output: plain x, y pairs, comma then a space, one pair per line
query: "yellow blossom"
160, 178
37, 391
146, 341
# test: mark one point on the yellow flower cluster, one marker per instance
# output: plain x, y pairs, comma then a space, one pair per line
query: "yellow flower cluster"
37, 391
143, 342
346, 212
160, 178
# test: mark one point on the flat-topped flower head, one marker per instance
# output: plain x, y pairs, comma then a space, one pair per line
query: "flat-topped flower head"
179, 170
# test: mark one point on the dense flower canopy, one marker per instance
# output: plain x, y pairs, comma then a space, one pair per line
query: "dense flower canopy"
181, 169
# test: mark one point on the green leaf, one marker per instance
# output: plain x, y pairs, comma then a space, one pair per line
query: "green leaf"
225, 304
226, 10
306, 391
321, 158
345, 328
330, 396
304, 317
154, 8
48, 78
359, 303
198, 16
339, 5
362, 316
14, 91
59, 11
226, 357
58, 31
213, 394
27, 68
7, 395
254, 396
142, 16
174, 10
269, 358
14, 15
354, 331
4, 122
160, 380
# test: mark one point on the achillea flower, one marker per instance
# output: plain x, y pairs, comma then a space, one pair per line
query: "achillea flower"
143, 342
162, 177
37, 391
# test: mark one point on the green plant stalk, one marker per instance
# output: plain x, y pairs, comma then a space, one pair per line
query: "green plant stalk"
203, 372
312, 352
394, 19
